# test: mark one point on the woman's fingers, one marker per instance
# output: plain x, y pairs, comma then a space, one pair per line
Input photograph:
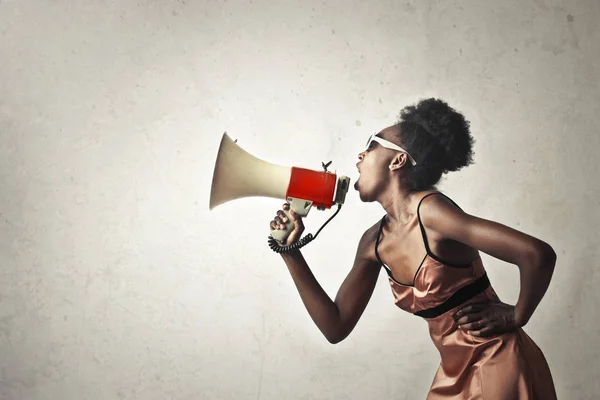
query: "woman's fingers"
471, 308
277, 223
475, 325
280, 220
486, 319
470, 317
282, 216
483, 332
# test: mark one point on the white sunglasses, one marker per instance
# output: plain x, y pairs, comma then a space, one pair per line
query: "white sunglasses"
389, 145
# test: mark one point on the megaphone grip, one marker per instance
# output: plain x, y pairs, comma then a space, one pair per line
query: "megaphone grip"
277, 248
281, 234
301, 208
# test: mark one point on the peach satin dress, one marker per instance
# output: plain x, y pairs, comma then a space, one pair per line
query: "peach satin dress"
509, 366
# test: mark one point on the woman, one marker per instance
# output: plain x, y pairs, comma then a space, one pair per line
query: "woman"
430, 250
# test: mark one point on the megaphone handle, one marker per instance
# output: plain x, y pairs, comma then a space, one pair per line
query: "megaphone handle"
301, 208
281, 234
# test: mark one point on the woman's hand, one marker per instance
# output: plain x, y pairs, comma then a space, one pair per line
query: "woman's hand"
486, 319
281, 219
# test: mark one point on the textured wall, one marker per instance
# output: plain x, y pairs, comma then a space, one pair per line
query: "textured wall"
116, 282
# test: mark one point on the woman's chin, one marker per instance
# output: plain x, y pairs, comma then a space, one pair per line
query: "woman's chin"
360, 193
357, 187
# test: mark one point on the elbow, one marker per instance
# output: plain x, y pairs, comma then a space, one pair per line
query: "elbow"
549, 256
336, 337
545, 256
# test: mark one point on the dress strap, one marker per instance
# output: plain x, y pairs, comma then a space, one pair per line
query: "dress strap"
377, 241
423, 234
387, 269
429, 253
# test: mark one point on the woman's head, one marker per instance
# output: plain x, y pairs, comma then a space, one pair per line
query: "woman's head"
431, 133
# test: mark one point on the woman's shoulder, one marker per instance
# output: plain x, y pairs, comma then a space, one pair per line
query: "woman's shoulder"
370, 234
366, 244
441, 216
432, 200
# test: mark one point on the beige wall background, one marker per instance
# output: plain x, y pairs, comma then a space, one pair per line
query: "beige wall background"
118, 283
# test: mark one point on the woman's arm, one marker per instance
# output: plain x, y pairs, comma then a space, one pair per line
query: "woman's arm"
535, 258
336, 319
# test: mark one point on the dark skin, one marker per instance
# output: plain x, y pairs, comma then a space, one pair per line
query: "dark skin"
453, 235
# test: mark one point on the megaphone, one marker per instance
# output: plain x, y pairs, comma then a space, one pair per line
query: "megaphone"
239, 174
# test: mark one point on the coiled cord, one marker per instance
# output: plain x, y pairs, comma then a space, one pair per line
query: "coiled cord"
277, 248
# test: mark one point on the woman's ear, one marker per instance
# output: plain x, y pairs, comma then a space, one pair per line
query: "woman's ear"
398, 161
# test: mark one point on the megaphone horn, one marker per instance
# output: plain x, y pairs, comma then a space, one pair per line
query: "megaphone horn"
239, 174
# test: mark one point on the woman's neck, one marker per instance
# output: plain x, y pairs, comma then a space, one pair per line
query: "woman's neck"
397, 204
